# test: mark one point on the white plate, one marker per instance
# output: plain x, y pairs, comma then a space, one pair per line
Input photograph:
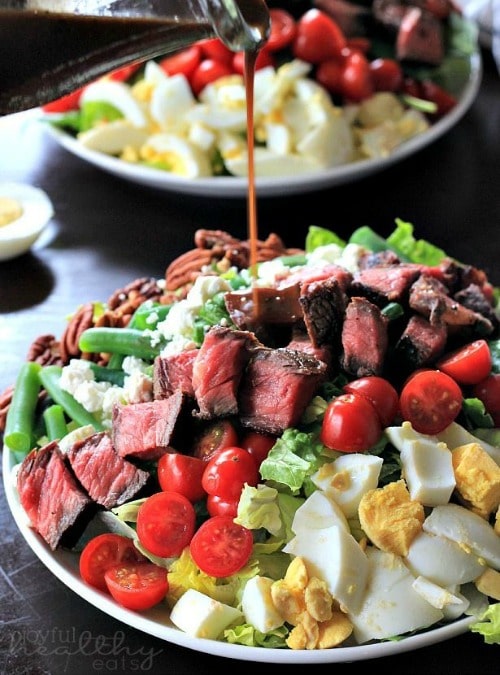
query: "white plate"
64, 565
228, 186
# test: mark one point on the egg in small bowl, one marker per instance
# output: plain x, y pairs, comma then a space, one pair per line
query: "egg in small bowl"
24, 212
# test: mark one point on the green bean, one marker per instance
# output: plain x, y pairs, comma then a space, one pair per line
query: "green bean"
107, 374
55, 422
148, 315
49, 377
365, 236
128, 341
20, 422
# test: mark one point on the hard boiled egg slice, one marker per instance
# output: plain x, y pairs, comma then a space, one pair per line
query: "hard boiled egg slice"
119, 95
24, 212
177, 155
269, 163
114, 137
171, 100
391, 606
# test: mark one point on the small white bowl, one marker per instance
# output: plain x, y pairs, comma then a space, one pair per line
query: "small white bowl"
35, 211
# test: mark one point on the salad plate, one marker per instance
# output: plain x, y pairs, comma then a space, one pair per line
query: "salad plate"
156, 622
229, 186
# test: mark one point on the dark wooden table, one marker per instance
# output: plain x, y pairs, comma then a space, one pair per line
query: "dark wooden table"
107, 232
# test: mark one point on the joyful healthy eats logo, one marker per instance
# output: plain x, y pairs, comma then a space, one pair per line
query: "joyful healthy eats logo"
102, 653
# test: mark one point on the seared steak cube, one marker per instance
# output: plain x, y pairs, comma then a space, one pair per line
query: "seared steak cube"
277, 387
56, 506
364, 338
174, 372
110, 480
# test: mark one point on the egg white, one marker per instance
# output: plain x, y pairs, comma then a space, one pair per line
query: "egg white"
19, 235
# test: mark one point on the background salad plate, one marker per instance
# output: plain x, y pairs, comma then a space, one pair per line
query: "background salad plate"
229, 186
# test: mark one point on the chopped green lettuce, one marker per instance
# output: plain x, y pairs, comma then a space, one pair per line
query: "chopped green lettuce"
488, 625
320, 236
408, 248
247, 635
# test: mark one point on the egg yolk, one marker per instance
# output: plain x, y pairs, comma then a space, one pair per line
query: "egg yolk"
10, 210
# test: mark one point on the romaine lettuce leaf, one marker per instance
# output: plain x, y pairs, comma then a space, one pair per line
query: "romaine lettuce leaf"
488, 625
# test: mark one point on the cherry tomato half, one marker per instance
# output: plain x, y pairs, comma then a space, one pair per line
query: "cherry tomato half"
258, 445
124, 73
227, 472
380, 393
328, 74
182, 473
216, 436
468, 364
283, 29
445, 102
221, 547
430, 400
104, 551
184, 62
488, 391
137, 586
318, 37
166, 523
350, 424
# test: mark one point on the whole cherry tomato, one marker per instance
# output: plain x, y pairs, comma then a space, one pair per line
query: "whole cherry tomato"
258, 445
350, 424
387, 75
355, 80
227, 471
264, 59
380, 393
182, 473
318, 37
488, 391
184, 62
329, 73
216, 506
207, 71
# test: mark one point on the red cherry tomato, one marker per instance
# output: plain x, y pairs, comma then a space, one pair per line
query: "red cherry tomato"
430, 400
137, 586
387, 75
124, 73
258, 445
380, 393
264, 59
182, 473
328, 74
355, 80
184, 62
216, 436
468, 364
221, 547
227, 472
206, 72
318, 37
216, 506
165, 523
362, 44
350, 424
488, 391
445, 102
213, 48
104, 551
283, 29
65, 103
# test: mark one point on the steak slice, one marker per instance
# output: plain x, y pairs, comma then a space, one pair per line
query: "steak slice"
390, 283
218, 369
364, 338
264, 305
56, 506
110, 480
174, 372
323, 304
277, 387
301, 342
429, 297
145, 430
421, 342
420, 38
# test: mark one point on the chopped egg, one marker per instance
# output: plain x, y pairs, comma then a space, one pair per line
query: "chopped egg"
200, 616
177, 154
257, 605
24, 212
